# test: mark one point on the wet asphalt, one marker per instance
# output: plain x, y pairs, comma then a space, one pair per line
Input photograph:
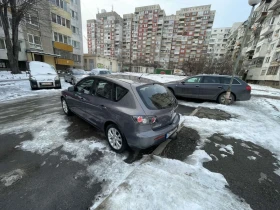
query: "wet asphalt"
48, 182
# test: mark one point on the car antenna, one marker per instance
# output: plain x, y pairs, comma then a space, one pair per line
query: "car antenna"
140, 76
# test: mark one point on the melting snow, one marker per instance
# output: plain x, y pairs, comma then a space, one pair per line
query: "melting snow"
10, 178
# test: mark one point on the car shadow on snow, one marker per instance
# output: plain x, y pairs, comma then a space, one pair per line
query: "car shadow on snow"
248, 168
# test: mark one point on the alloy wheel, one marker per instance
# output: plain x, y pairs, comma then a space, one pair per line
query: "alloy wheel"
115, 138
64, 106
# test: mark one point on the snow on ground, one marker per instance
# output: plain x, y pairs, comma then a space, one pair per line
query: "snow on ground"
7, 75
171, 184
264, 90
255, 120
163, 78
11, 177
17, 89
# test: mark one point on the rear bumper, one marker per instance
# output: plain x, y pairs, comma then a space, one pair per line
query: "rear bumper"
244, 97
39, 84
143, 140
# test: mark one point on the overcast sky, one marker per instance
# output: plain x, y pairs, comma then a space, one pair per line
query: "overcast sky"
227, 11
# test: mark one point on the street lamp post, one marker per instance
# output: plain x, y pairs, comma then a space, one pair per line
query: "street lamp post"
252, 3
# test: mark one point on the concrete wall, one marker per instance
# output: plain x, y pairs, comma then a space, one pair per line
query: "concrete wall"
101, 62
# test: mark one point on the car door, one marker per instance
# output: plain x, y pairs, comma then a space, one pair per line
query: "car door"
190, 88
210, 87
82, 97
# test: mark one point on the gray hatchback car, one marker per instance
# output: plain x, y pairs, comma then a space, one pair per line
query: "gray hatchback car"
133, 112
211, 87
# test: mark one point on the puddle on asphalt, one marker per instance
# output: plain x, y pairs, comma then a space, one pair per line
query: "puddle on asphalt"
249, 171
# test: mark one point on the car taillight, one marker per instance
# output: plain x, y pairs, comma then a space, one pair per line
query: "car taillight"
145, 119
248, 87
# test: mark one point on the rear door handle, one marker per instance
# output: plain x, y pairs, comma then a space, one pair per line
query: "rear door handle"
197, 86
220, 87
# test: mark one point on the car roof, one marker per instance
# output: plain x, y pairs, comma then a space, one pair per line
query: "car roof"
213, 75
126, 79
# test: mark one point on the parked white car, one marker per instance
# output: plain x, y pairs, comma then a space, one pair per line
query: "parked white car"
75, 75
43, 75
99, 72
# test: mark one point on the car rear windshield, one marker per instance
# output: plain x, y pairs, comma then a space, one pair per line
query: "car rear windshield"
104, 72
226, 80
156, 96
78, 72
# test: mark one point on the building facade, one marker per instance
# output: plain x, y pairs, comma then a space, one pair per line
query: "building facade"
51, 33
150, 37
263, 52
218, 41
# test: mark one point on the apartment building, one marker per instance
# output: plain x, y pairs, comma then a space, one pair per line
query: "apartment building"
108, 31
263, 52
77, 35
151, 37
22, 58
91, 36
218, 41
190, 34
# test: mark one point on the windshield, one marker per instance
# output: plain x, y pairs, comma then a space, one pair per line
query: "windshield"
79, 72
104, 72
40, 68
156, 96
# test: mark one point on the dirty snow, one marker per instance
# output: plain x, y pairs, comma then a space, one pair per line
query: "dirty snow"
172, 184
251, 157
256, 121
10, 178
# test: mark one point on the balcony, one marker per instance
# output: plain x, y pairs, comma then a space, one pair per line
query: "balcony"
262, 13
262, 52
275, 4
266, 30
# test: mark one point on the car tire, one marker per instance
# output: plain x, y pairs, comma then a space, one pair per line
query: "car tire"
222, 98
65, 107
116, 139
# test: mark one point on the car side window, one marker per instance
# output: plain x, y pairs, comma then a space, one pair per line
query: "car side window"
226, 80
193, 80
85, 86
105, 89
211, 80
120, 92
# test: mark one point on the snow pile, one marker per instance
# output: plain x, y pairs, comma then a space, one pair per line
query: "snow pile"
171, 184
7, 75
257, 121
264, 90
10, 178
18, 89
163, 78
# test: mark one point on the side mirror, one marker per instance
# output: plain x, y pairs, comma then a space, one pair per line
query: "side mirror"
72, 89
183, 82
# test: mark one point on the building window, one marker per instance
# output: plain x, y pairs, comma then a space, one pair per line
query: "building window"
75, 30
2, 44
32, 19
60, 3
267, 59
74, 15
76, 44
263, 72
60, 20
34, 41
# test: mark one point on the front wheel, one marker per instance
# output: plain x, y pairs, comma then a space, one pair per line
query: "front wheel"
116, 139
222, 99
65, 107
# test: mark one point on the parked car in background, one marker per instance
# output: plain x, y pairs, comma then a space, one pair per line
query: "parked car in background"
136, 113
43, 75
179, 72
99, 72
75, 75
211, 87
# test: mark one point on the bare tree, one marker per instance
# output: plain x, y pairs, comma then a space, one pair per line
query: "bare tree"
14, 11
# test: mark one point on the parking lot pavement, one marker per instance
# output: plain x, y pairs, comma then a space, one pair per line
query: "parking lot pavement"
31, 180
